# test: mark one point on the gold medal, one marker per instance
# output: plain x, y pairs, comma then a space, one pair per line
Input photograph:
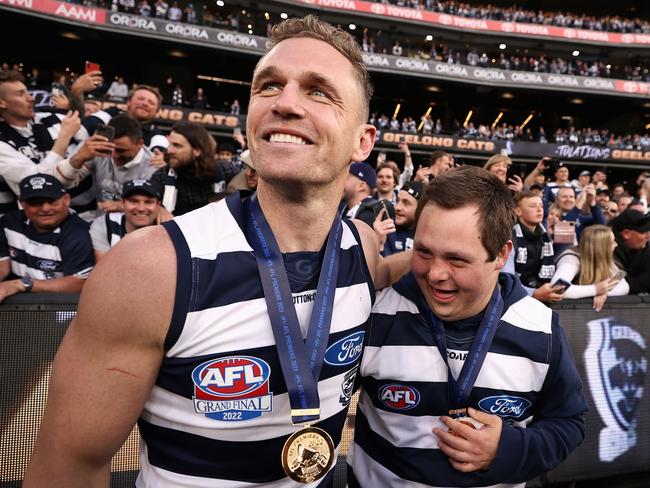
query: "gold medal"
461, 416
308, 455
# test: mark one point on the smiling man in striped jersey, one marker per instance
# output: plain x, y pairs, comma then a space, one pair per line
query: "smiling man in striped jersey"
467, 381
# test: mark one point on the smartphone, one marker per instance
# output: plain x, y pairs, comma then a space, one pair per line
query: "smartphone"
236, 131
377, 208
92, 67
108, 131
564, 232
561, 285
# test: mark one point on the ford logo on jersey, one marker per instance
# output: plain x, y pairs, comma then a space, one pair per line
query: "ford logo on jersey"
399, 397
345, 351
232, 388
505, 406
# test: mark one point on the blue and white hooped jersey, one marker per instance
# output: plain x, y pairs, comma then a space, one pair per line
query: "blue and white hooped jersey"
405, 392
219, 412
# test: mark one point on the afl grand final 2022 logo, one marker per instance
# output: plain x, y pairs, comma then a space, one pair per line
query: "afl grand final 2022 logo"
616, 365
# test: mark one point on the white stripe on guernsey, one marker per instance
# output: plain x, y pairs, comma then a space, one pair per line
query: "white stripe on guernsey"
389, 302
159, 140
246, 325
19, 269
178, 413
529, 314
422, 363
154, 477
401, 430
229, 236
83, 274
404, 363
201, 238
105, 117
33, 248
369, 473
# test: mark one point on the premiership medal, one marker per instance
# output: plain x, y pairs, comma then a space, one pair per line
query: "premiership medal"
460, 388
460, 415
308, 455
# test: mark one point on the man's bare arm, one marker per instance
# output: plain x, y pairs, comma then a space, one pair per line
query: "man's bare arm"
384, 271
107, 362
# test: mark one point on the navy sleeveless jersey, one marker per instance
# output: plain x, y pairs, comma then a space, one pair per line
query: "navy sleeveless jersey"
219, 412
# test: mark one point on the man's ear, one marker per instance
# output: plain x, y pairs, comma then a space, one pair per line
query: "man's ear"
502, 256
366, 142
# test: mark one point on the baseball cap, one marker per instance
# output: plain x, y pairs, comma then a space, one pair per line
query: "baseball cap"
365, 173
41, 186
142, 186
631, 219
585, 173
413, 188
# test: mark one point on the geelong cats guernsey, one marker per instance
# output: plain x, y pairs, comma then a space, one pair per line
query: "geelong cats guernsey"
528, 379
219, 412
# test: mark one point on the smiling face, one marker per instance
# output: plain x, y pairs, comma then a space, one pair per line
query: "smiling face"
141, 210
306, 116
450, 263
500, 170
405, 210
143, 105
385, 181
46, 214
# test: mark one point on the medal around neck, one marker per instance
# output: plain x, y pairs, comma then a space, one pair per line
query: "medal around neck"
308, 455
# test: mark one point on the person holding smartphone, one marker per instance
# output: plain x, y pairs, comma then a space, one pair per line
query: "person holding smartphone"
589, 270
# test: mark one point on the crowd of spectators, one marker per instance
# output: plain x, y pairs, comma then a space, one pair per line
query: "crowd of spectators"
379, 42
610, 23
508, 132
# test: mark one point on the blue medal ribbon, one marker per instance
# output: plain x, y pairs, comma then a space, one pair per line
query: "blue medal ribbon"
301, 361
459, 390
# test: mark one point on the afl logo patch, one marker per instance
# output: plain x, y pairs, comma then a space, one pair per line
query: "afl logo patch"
345, 351
399, 397
232, 388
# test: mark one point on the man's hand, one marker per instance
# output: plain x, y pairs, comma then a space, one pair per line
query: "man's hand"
11, 287
61, 101
470, 449
92, 147
239, 137
383, 227
70, 124
158, 159
515, 183
423, 174
590, 192
86, 83
548, 293
109, 206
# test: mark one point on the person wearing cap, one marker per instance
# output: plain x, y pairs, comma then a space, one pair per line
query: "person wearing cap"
581, 182
142, 207
498, 165
227, 161
193, 180
397, 235
246, 179
632, 230
359, 186
44, 247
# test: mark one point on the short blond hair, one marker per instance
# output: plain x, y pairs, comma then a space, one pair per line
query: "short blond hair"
312, 27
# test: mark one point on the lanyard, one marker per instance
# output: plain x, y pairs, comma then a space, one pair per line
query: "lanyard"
460, 389
301, 361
